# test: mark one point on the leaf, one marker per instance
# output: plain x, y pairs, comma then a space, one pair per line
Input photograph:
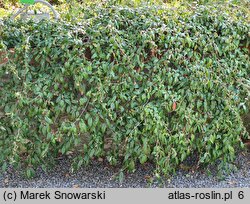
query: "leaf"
121, 177
4, 166
83, 127
63, 149
90, 121
30, 172
48, 120
231, 149
174, 106
143, 159
131, 166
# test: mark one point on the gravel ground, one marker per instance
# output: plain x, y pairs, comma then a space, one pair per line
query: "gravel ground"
99, 175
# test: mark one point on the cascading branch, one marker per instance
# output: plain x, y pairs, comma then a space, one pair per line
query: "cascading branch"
126, 84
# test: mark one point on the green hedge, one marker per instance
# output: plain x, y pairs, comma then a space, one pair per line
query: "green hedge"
127, 84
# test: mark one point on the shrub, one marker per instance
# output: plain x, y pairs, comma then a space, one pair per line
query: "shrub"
128, 84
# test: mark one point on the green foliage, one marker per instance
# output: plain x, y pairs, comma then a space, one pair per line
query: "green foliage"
129, 84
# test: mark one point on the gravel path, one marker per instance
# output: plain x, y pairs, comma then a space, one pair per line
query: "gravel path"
98, 175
